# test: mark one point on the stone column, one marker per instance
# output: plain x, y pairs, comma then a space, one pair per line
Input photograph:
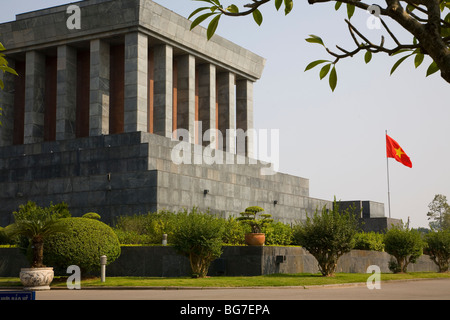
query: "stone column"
226, 105
186, 95
207, 102
136, 79
163, 90
7, 106
244, 117
34, 97
66, 95
99, 88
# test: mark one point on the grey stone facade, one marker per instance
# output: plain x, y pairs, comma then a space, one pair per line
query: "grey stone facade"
134, 173
97, 130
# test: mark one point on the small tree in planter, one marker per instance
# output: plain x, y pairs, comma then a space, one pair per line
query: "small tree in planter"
249, 217
37, 224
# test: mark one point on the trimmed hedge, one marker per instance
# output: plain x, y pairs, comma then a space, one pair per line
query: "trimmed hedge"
84, 243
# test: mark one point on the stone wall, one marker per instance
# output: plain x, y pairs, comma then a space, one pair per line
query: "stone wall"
159, 261
133, 173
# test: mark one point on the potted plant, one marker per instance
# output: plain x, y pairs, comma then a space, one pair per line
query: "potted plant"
249, 217
36, 224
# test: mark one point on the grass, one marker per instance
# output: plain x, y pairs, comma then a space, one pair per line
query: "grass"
275, 280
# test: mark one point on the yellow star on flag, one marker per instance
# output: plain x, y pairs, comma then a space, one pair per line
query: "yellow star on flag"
399, 152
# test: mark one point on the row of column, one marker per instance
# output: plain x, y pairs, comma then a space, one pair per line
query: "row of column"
160, 91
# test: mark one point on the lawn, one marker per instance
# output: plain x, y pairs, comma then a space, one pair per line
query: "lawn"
275, 280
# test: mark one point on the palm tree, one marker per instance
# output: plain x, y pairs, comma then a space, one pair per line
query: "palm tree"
37, 224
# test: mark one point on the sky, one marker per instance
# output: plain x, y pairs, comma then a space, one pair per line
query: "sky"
337, 139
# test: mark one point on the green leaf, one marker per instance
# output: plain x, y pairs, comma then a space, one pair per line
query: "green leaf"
200, 19
432, 68
315, 39
368, 56
333, 78
257, 16
324, 71
233, 9
288, 5
2, 86
399, 61
212, 27
197, 11
2, 48
315, 63
278, 4
337, 5
410, 8
400, 51
350, 10
418, 59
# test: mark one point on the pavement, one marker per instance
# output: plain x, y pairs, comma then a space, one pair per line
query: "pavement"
242, 303
429, 289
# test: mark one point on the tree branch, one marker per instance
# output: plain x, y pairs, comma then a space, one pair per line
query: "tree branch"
253, 6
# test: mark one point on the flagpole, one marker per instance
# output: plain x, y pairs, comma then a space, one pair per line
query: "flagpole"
389, 192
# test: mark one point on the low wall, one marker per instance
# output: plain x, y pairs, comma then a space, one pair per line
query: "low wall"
159, 261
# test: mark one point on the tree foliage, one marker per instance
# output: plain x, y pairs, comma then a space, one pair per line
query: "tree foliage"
38, 224
327, 235
427, 21
5, 68
439, 213
199, 237
438, 248
405, 245
249, 217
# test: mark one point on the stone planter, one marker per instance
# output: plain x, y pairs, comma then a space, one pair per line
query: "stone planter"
255, 239
36, 278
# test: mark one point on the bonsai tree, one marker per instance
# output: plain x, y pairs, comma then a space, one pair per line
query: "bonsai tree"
404, 245
37, 224
438, 247
327, 235
249, 217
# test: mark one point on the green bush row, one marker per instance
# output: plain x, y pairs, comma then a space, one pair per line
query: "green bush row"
148, 229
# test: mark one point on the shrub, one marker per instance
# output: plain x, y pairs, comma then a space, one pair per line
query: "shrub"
91, 215
198, 236
147, 228
4, 237
438, 247
327, 236
83, 244
278, 234
234, 232
404, 245
369, 241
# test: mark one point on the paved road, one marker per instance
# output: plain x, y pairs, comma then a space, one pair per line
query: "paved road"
436, 289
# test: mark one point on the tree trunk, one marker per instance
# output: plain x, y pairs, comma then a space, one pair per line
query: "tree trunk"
38, 254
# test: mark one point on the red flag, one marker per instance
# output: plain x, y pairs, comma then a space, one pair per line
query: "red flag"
393, 150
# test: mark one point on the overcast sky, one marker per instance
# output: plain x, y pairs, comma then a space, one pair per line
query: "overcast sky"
337, 139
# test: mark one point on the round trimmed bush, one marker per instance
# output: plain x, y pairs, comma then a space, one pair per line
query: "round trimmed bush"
83, 244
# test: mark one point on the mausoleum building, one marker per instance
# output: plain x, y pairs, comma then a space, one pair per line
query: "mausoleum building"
104, 87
